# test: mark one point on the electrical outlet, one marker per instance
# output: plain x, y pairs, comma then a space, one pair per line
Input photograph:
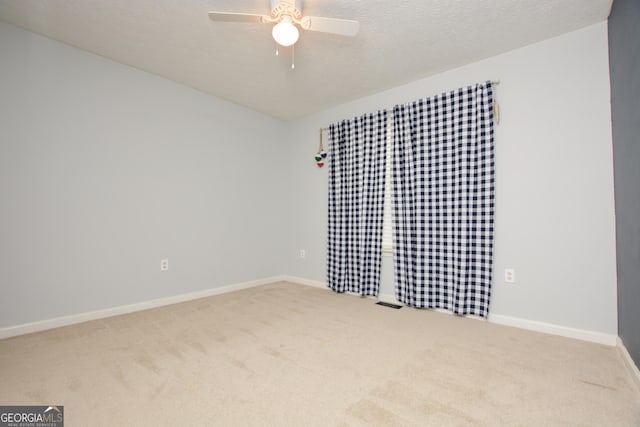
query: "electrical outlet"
303, 253
164, 264
509, 275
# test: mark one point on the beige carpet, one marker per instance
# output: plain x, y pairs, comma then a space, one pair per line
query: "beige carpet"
290, 355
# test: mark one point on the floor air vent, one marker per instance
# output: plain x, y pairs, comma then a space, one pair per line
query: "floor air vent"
388, 304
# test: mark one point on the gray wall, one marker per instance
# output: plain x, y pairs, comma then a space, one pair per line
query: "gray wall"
555, 221
105, 170
624, 52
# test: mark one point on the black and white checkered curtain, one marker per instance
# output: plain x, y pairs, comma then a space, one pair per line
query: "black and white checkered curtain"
356, 203
443, 200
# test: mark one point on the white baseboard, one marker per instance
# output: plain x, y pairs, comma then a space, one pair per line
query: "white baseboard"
532, 325
548, 328
27, 328
306, 282
629, 362
57, 322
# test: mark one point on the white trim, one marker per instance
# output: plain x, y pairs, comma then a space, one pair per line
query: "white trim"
548, 328
532, 325
306, 282
629, 362
57, 322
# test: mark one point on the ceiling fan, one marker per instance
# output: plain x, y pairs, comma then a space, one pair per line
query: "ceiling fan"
286, 14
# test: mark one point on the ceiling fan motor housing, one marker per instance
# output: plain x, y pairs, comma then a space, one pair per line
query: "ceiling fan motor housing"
292, 8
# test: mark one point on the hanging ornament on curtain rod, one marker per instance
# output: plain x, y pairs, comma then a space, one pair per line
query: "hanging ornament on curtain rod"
496, 106
321, 154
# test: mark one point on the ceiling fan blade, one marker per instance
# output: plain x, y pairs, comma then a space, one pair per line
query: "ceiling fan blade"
235, 17
343, 27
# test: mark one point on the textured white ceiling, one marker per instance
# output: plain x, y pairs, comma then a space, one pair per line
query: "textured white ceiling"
399, 41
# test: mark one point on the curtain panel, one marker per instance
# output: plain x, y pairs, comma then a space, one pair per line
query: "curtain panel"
443, 191
357, 155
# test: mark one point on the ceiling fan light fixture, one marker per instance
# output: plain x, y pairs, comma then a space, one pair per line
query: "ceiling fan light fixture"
285, 33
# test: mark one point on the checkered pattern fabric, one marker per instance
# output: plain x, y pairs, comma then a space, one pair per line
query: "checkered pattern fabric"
357, 155
443, 191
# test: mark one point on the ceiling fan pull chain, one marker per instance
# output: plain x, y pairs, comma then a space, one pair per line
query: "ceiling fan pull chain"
293, 57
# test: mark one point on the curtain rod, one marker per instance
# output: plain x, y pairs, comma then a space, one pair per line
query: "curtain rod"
493, 82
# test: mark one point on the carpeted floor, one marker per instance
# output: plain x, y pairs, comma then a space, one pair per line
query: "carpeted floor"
291, 355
